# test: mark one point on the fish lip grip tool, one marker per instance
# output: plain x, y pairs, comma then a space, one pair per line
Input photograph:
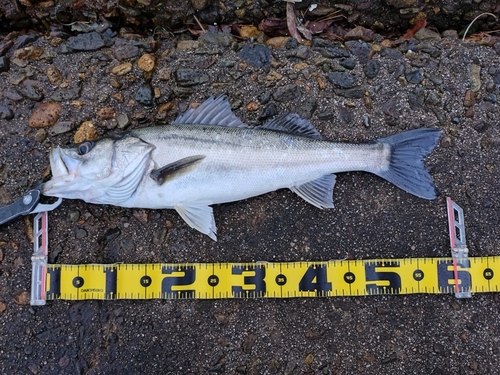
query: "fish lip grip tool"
29, 203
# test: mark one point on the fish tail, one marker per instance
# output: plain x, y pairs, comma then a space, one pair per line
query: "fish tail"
406, 167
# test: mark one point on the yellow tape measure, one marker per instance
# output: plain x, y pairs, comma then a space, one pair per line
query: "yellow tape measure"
458, 274
272, 280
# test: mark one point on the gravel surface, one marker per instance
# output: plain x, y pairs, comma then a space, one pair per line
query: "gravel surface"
62, 89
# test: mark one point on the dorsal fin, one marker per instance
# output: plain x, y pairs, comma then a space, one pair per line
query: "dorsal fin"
215, 112
294, 124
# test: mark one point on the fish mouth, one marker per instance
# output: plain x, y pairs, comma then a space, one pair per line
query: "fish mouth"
57, 165
61, 168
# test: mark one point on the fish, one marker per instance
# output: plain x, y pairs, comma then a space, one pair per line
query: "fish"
208, 156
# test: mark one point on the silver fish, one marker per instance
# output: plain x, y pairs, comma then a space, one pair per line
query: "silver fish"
208, 156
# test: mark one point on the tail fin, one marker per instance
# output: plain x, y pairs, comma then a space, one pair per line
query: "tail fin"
406, 169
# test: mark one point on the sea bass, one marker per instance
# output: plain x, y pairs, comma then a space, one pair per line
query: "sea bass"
209, 156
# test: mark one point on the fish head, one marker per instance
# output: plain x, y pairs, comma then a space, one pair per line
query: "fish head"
106, 171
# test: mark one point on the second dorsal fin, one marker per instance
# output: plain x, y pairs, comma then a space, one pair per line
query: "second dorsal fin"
294, 124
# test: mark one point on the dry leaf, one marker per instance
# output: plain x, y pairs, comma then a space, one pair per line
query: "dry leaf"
291, 21
410, 32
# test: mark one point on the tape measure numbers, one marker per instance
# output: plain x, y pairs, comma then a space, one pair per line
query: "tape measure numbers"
458, 274
272, 280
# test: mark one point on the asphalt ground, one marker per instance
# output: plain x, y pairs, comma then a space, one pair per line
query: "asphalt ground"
384, 334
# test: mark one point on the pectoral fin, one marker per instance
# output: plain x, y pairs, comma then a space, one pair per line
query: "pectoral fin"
172, 170
318, 192
199, 217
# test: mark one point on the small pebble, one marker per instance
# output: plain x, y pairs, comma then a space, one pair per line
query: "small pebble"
414, 76
252, 106
469, 99
40, 135
46, 114
54, 75
86, 132
106, 113
371, 69
145, 95
446, 142
147, 62
122, 69
74, 216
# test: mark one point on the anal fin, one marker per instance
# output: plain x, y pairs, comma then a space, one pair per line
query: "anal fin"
199, 217
318, 192
169, 171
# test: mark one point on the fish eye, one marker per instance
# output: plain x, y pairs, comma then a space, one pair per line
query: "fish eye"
85, 147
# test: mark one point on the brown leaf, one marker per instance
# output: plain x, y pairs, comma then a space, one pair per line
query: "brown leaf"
317, 27
305, 32
274, 26
411, 31
23, 298
248, 31
291, 21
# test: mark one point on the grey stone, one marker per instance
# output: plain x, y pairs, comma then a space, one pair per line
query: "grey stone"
122, 120
400, 70
25, 40
215, 38
63, 95
307, 108
496, 47
348, 63
142, 44
432, 99
291, 43
359, 49
62, 127
4, 64
372, 68
452, 34
425, 34
145, 95
414, 76
286, 93
355, 92
270, 110
496, 79
391, 53
256, 55
31, 92
416, 98
126, 51
430, 50
302, 52
342, 80
436, 79
438, 112
182, 92
80, 233
6, 113
5, 46
12, 95
86, 42
265, 97
190, 77
491, 98
329, 49
345, 115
